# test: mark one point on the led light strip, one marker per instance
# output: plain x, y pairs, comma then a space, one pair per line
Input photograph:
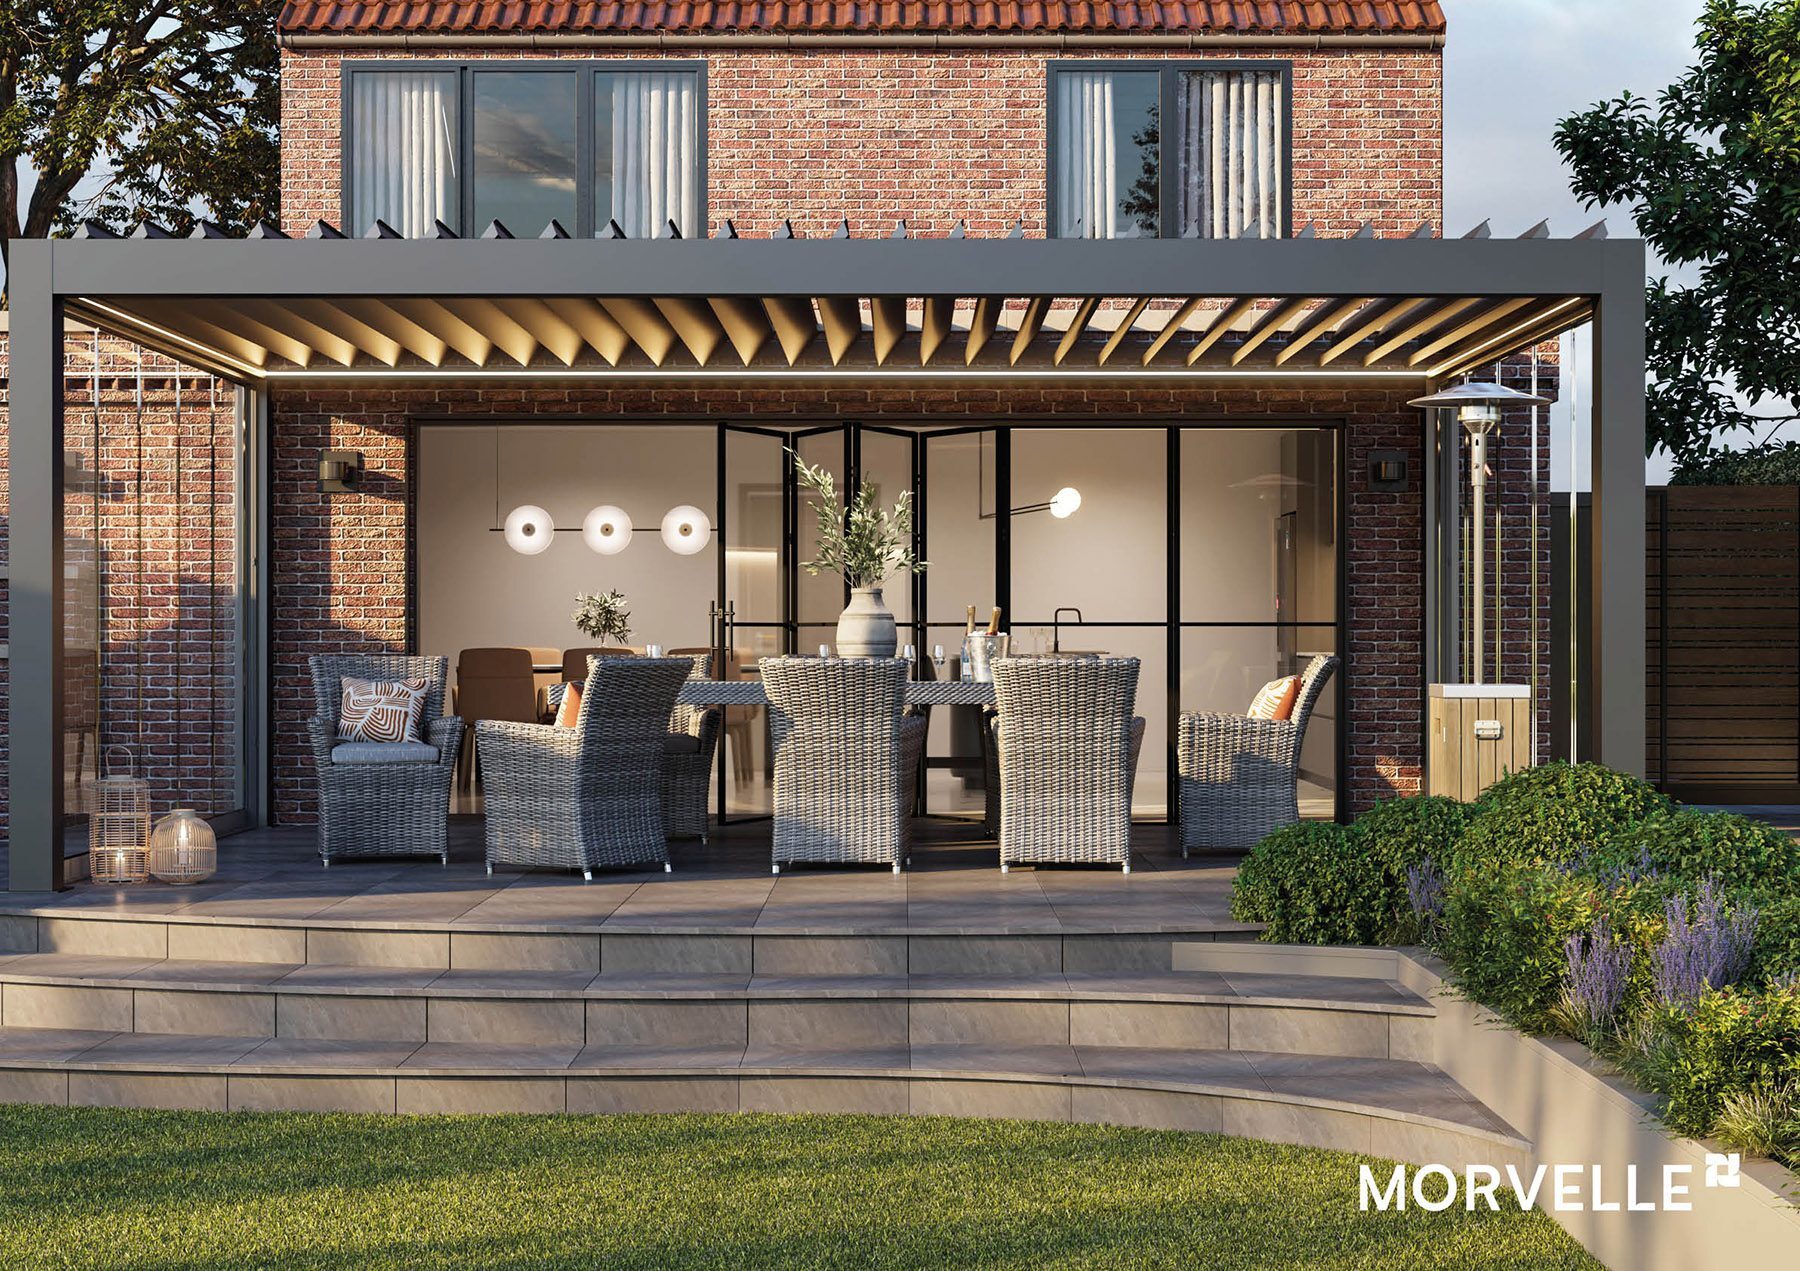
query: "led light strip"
829, 373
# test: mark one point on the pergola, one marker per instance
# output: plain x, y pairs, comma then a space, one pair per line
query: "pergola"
268, 310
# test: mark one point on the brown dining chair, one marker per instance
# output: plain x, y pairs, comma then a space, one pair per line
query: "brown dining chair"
491, 684
542, 679
574, 661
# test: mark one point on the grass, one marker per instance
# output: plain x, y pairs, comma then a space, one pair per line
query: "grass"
100, 1187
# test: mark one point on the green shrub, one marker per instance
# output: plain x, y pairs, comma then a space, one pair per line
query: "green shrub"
1503, 932
1733, 1040
1732, 849
1401, 832
1314, 883
1554, 812
1776, 463
1777, 938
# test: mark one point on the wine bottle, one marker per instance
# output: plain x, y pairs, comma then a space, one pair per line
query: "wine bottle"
994, 622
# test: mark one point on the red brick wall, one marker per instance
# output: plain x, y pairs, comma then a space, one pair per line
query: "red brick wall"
151, 626
341, 563
879, 135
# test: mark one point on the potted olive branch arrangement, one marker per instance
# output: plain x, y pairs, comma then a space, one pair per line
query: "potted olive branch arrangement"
863, 544
603, 616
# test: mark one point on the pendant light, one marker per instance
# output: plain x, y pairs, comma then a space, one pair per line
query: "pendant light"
606, 529
686, 530
529, 529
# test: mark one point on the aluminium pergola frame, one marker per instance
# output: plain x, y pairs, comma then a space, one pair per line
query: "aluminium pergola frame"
106, 281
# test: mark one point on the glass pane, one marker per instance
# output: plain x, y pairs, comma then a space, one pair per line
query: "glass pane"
755, 582
819, 597
648, 165
1107, 558
887, 466
1223, 667
403, 150
959, 531
1108, 147
525, 151
1258, 525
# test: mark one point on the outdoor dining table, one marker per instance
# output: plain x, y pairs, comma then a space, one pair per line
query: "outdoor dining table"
918, 693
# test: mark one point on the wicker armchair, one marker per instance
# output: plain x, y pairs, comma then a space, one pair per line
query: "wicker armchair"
590, 796
1239, 777
397, 807
845, 759
1068, 747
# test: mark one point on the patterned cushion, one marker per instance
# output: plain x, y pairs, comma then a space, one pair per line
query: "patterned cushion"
1276, 699
381, 710
568, 706
373, 752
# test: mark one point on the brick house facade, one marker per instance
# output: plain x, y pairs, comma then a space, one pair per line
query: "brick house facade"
875, 134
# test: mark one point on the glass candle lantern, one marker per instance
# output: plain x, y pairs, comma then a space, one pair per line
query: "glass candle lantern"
183, 849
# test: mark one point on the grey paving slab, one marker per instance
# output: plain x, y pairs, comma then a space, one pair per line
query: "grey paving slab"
75, 966
332, 1053
192, 971
182, 1049
442, 1055
361, 978
1212, 1067
853, 1057
1322, 988
48, 1045
659, 1058
1050, 1061
466, 980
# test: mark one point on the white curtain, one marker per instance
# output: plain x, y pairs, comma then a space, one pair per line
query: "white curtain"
1233, 142
403, 147
655, 153
1087, 193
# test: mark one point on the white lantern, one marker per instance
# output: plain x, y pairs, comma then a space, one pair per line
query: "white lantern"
183, 849
529, 529
686, 530
606, 530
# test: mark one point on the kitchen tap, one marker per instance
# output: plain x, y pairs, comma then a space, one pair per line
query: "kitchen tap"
1056, 626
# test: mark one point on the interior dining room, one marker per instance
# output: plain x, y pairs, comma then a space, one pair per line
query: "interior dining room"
1208, 552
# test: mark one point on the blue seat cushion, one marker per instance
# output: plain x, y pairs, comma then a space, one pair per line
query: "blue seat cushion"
375, 752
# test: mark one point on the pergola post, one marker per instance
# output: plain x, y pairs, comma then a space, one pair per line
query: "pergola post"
1616, 630
35, 426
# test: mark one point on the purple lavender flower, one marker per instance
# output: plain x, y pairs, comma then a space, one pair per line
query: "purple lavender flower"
1702, 950
1599, 975
1425, 891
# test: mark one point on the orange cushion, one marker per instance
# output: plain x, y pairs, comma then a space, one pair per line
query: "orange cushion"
1276, 698
570, 710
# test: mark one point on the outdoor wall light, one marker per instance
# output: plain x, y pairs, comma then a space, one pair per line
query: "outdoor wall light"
340, 471
685, 530
529, 529
607, 530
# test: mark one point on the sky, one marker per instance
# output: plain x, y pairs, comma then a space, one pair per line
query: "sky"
1512, 69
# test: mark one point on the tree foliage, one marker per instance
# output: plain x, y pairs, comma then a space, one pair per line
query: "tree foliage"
1712, 170
126, 110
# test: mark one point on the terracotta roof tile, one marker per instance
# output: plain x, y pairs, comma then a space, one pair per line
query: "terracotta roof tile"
488, 17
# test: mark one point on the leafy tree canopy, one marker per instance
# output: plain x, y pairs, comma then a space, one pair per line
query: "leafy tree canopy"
1712, 169
126, 110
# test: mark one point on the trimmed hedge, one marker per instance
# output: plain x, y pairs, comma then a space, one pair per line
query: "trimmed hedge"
1733, 850
1555, 812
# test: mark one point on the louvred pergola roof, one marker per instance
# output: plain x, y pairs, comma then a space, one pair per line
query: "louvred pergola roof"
1416, 307
518, 17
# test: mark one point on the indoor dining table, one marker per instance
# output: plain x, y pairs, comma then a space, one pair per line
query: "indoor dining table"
918, 693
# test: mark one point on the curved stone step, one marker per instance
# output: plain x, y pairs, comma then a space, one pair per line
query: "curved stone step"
1391, 1108
1205, 1010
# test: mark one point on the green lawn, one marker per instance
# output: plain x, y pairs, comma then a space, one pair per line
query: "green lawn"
94, 1187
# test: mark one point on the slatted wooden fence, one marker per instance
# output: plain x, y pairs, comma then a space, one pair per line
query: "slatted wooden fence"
1723, 610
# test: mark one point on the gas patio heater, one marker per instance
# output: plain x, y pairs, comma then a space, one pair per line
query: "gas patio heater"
1478, 732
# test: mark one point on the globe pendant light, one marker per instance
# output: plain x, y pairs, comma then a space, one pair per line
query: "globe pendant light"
529, 529
686, 531
1065, 502
607, 530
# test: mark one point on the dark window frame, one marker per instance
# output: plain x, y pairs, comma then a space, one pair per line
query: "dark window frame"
585, 70
1170, 72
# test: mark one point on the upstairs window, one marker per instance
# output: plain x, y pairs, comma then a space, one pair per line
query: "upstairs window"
584, 144
1174, 150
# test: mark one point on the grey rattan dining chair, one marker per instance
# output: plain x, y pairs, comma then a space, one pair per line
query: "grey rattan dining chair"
688, 753
1067, 744
383, 798
845, 759
1239, 777
590, 796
